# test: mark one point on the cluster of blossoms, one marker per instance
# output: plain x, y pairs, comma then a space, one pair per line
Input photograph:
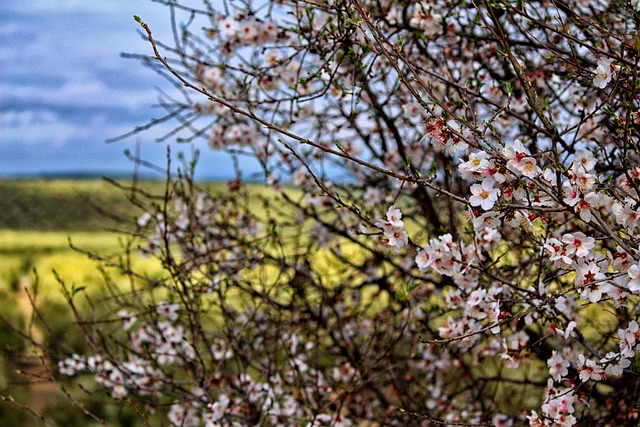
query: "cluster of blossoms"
441, 255
393, 228
162, 351
244, 30
558, 409
152, 346
518, 177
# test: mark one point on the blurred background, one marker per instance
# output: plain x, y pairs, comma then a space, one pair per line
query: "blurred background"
65, 89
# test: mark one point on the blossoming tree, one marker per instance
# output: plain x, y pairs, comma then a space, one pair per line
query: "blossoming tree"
460, 248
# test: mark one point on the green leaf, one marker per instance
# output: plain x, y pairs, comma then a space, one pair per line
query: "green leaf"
509, 88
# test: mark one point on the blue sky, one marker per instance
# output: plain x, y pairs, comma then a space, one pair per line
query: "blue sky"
65, 89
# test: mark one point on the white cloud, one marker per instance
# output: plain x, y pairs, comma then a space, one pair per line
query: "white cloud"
42, 127
60, 53
10, 28
78, 94
60, 65
38, 126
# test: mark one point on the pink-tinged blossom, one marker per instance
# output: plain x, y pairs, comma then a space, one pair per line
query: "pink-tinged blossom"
493, 316
176, 415
489, 238
440, 254
220, 350
165, 353
484, 195
629, 339
477, 297
511, 358
584, 206
300, 177
549, 175
602, 73
169, 310
454, 298
558, 407
618, 292
212, 78
535, 420
476, 167
394, 216
487, 220
144, 219
589, 369
625, 214
248, 32
217, 410
429, 23
228, 26
570, 327
620, 260
118, 391
447, 137
634, 275
567, 306
128, 320
412, 109
558, 366
393, 228
626, 183
170, 333
396, 237
373, 195
495, 174
529, 167
519, 219
72, 365
526, 166
423, 260
584, 181
451, 330
583, 162
135, 365
571, 194
501, 420
589, 275
240, 133
558, 253
518, 340
578, 244
612, 368
564, 420
320, 420
515, 152
466, 282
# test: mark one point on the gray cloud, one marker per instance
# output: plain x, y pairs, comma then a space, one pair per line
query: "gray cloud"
64, 88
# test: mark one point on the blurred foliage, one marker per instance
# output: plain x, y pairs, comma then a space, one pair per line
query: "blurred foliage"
39, 221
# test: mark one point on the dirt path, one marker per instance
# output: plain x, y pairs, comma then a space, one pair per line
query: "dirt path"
35, 369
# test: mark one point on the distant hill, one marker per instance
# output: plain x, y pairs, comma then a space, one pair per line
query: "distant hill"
66, 204
77, 175
88, 203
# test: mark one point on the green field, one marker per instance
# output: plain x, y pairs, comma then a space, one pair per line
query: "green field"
63, 205
39, 219
41, 222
